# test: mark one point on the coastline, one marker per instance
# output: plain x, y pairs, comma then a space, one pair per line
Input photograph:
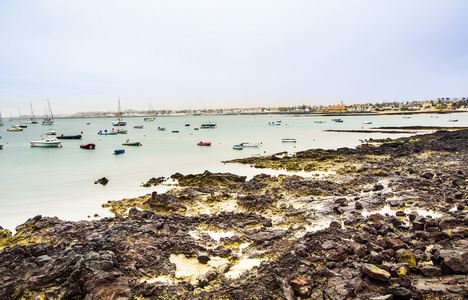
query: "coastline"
382, 220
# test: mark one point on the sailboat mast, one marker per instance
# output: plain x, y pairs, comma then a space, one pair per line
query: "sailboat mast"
50, 109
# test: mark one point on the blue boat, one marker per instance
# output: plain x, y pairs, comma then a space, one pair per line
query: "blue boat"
120, 151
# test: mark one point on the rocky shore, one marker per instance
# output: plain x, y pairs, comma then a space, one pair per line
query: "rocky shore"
385, 220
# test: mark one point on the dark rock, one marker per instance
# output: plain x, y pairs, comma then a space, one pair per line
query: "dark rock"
375, 272
203, 257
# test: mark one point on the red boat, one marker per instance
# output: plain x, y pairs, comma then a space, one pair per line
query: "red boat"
204, 144
89, 146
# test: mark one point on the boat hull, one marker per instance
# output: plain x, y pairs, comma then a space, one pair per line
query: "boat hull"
69, 137
45, 144
89, 146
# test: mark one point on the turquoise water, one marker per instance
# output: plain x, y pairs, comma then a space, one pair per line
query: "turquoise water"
60, 181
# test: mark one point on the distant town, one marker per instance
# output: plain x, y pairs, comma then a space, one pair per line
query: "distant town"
439, 105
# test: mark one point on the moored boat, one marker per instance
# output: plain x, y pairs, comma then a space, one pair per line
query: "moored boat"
288, 140
237, 147
204, 143
46, 142
119, 121
453, 120
130, 143
89, 146
105, 132
162, 128
119, 151
319, 121
138, 126
208, 125
15, 128
48, 119
69, 137
367, 122
337, 120
274, 123
122, 131
1, 146
249, 144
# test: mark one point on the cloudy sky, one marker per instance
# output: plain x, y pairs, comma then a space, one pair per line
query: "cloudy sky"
178, 54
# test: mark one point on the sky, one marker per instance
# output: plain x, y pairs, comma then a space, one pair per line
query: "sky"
84, 55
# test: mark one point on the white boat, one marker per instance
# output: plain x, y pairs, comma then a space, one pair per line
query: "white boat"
288, 140
367, 122
208, 125
48, 141
453, 120
48, 120
15, 128
51, 132
249, 144
32, 119
151, 117
119, 121
319, 122
274, 123
237, 147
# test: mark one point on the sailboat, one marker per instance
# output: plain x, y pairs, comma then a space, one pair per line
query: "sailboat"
48, 120
119, 121
32, 119
151, 117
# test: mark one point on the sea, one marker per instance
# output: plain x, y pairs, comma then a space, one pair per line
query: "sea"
61, 181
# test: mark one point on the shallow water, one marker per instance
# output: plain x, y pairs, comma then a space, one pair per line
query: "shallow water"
60, 182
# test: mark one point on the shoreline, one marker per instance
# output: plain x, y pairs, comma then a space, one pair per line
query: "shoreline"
383, 220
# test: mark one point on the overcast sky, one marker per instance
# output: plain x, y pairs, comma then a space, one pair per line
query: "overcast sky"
85, 54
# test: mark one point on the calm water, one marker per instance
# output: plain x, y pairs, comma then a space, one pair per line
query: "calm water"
60, 181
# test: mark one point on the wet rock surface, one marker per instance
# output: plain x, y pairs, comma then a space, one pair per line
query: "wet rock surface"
383, 223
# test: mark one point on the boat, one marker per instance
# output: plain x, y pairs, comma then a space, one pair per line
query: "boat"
151, 117
46, 142
105, 132
162, 128
69, 137
1, 120
453, 120
337, 120
208, 125
187, 124
15, 128
119, 151
249, 144
88, 123
406, 117
48, 120
319, 122
175, 131
274, 123
204, 144
119, 121
1, 146
32, 119
51, 132
237, 147
89, 146
367, 122
288, 140
138, 126
130, 143
122, 131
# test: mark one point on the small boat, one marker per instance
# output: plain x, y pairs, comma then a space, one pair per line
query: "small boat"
119, 121
46, 142
249, 144
237, 147
162, 128
1, 146
367, 122
15, 128
337, 120
288, 140
23, 125
274, 123
122, 131
89, 146
453, 120
51, 132
138, 126
105, 132
204, 144
319, 122
406, 117
88, 123
32, 119
120, 151
130, 143
151, 117
175, 131
187, 124
48, 120
208, 125
69, 137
